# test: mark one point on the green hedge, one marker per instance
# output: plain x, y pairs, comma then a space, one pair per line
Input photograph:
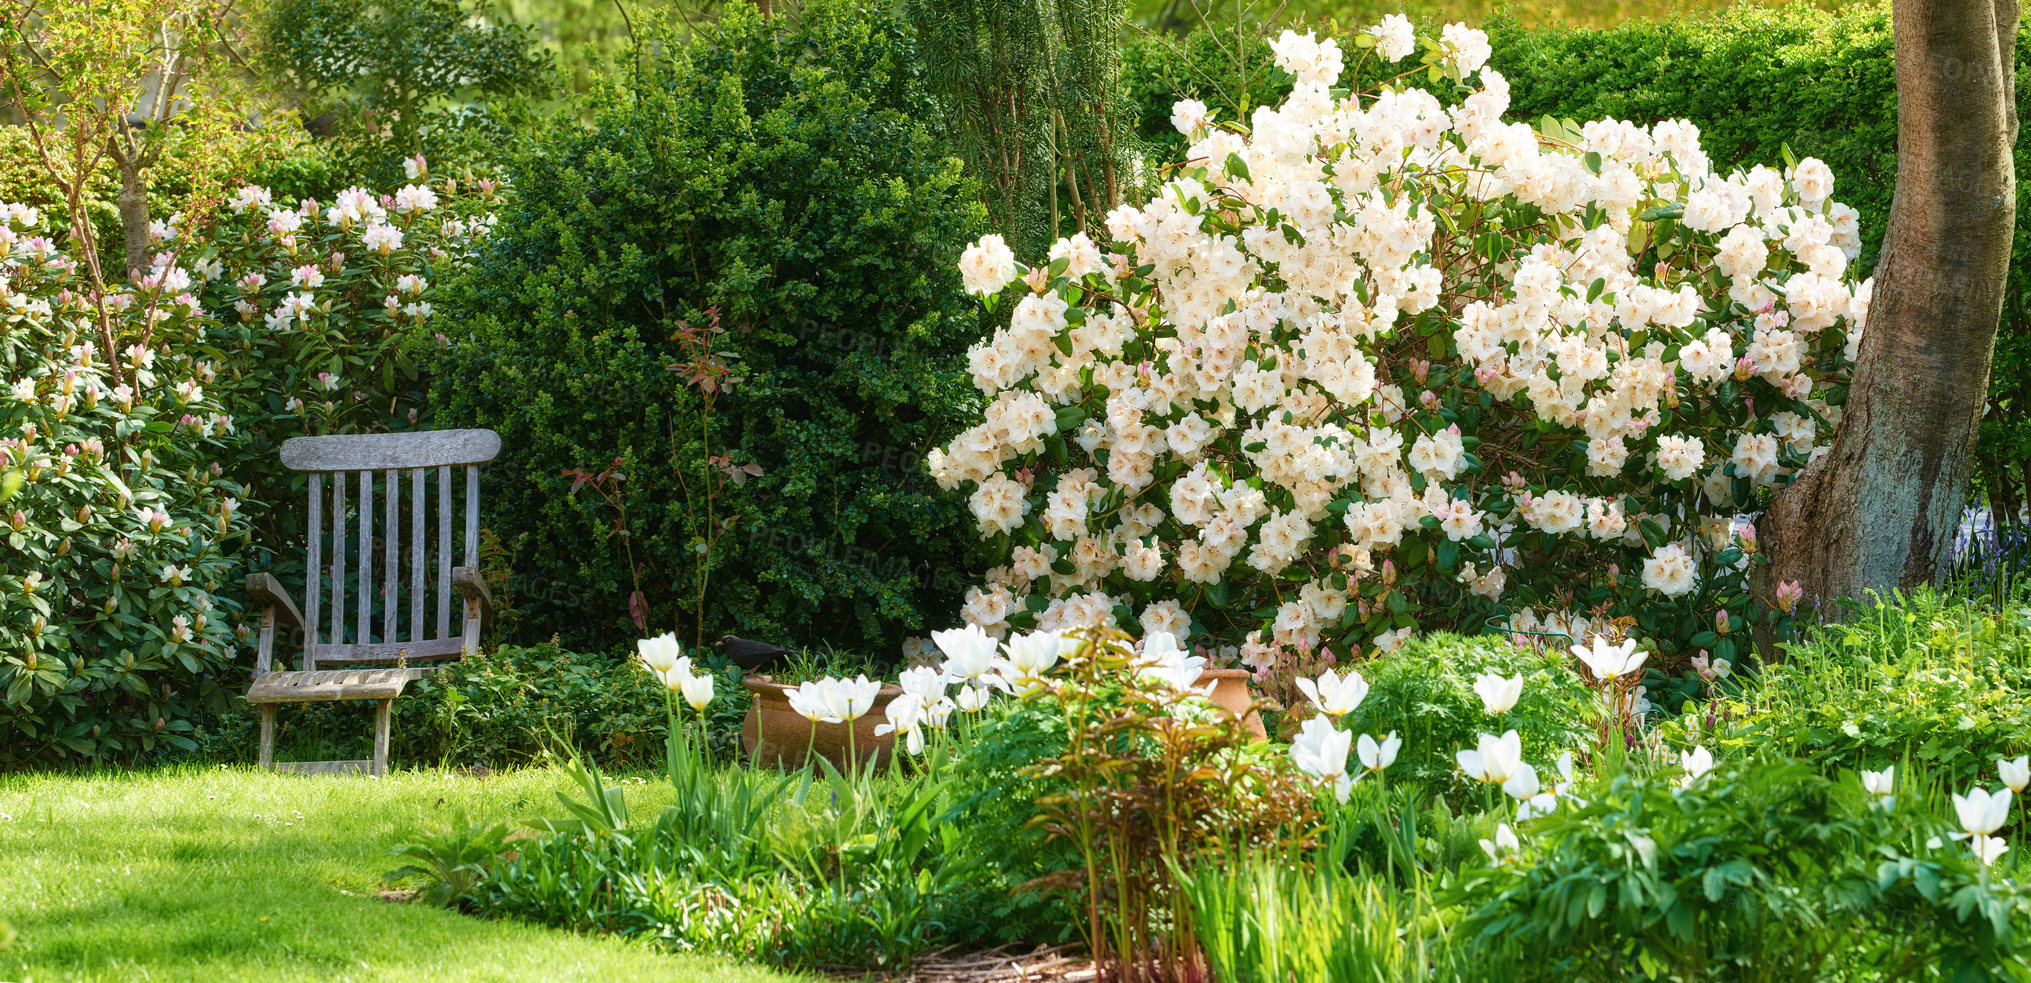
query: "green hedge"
1754, 79
776, 182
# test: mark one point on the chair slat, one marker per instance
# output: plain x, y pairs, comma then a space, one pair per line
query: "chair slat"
472, 516
436, 648
417, 631
391, 533
443, 553
366, 557
313, 571
378, 451
338, 559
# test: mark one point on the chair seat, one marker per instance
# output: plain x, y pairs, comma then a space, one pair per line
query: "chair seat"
326, 685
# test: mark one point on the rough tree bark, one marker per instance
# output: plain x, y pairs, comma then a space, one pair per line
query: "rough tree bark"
1880, 510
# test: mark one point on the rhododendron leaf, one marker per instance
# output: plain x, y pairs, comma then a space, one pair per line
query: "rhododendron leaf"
10, 483
1236, 167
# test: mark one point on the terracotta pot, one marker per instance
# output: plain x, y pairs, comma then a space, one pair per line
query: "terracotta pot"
776, 736
1231, 693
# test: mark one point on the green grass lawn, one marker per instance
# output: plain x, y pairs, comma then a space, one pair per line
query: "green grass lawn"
232, 874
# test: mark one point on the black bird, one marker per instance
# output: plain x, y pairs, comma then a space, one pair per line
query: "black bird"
750, 655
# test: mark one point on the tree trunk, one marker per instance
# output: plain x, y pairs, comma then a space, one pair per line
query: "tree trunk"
133, 204
1880, 510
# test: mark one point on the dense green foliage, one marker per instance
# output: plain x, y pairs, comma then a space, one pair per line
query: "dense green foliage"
1760, 870
1755, 80
514, 705
116, 624
735, 284
1927, 679
384, 79
996, 799
1425, 693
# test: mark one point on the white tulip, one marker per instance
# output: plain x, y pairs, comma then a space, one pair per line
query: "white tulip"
1376, 757
1988, 849
1498, 694
812, 701
1495, 760
1029, 657
969, 652
927, 683
1504, 846
1881, 784
905, 714
1696, 763
1335, 694
697, 689
1321, 750
972, 698
675, 674
857, 696
1982, 813
659, 653
1522, 782
1163, 661
940, 713
2016, 771
1610, 662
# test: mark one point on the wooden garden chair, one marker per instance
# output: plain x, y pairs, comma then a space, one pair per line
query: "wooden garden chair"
350, 661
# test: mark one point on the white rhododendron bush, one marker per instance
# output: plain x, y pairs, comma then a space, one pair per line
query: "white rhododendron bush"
1373, 364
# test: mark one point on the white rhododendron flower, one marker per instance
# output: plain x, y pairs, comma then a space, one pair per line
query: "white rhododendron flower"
987, 266
1360, 352
1394, 37
1669, 571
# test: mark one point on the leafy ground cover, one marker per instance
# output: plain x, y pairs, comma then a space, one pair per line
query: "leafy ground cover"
227, 874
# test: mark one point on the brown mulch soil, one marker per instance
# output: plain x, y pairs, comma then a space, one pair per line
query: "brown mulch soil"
1044, 964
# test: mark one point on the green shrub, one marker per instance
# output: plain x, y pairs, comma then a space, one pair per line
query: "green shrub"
774, 182
386, 79
1004, 852
1425, 693
1761, 870
1925, 679
513, 704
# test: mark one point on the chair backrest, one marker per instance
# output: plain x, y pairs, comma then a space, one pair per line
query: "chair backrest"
356, 461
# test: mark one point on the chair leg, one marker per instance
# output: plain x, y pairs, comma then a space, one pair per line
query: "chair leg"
267, 737
380, 764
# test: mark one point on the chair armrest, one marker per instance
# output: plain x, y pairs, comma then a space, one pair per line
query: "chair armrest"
474, 588
267, 591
